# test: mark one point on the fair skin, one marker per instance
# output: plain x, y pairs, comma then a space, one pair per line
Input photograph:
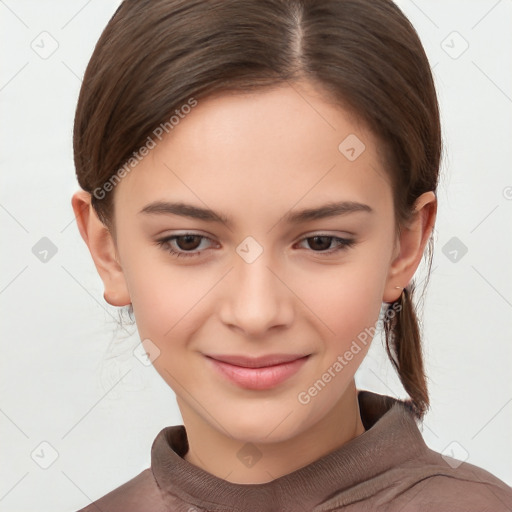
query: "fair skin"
255, 158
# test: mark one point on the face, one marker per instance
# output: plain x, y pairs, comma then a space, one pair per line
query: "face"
258, 278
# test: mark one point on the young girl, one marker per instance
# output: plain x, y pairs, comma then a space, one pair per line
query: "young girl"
258, 178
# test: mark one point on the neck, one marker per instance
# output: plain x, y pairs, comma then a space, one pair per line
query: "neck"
214, 452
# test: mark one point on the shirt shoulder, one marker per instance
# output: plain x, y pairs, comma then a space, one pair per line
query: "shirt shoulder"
426, 483
139, 494
435, 483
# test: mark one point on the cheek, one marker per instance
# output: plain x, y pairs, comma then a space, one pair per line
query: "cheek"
346, 299
166, 305
163, 295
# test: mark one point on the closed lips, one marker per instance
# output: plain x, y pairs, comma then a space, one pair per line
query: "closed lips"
259, 362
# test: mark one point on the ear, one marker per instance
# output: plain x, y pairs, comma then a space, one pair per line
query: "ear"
410, 246
102, 248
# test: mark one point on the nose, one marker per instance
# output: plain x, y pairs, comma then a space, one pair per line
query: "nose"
257, 298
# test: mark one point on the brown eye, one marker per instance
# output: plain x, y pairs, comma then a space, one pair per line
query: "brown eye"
185, 245
188, 242
322, 243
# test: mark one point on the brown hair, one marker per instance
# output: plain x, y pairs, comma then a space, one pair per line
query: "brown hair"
155, 55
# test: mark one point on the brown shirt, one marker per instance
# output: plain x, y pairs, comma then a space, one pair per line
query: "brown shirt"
387, 468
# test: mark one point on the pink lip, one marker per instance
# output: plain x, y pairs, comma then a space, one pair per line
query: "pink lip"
260, 373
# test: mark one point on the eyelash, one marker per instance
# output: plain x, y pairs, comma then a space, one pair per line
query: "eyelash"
164, 243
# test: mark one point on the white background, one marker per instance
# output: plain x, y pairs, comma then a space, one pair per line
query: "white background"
68, 376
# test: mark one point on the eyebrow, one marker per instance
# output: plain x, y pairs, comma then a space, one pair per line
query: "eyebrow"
331, 209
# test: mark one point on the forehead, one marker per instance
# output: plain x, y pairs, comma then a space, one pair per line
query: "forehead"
265, 150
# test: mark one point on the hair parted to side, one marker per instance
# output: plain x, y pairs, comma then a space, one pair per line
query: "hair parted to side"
155, 55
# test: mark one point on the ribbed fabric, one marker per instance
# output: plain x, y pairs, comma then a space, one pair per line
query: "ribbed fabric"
388, 467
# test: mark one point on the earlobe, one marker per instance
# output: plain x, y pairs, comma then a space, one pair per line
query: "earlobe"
411, 243
102, 248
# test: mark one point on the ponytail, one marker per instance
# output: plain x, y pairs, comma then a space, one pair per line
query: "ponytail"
403, 346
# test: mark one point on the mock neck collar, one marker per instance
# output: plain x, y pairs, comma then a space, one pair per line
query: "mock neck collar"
391, 436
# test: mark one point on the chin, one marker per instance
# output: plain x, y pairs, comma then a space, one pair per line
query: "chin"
263, 429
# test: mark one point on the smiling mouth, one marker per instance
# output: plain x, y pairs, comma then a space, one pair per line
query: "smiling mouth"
263, 373
258, 362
